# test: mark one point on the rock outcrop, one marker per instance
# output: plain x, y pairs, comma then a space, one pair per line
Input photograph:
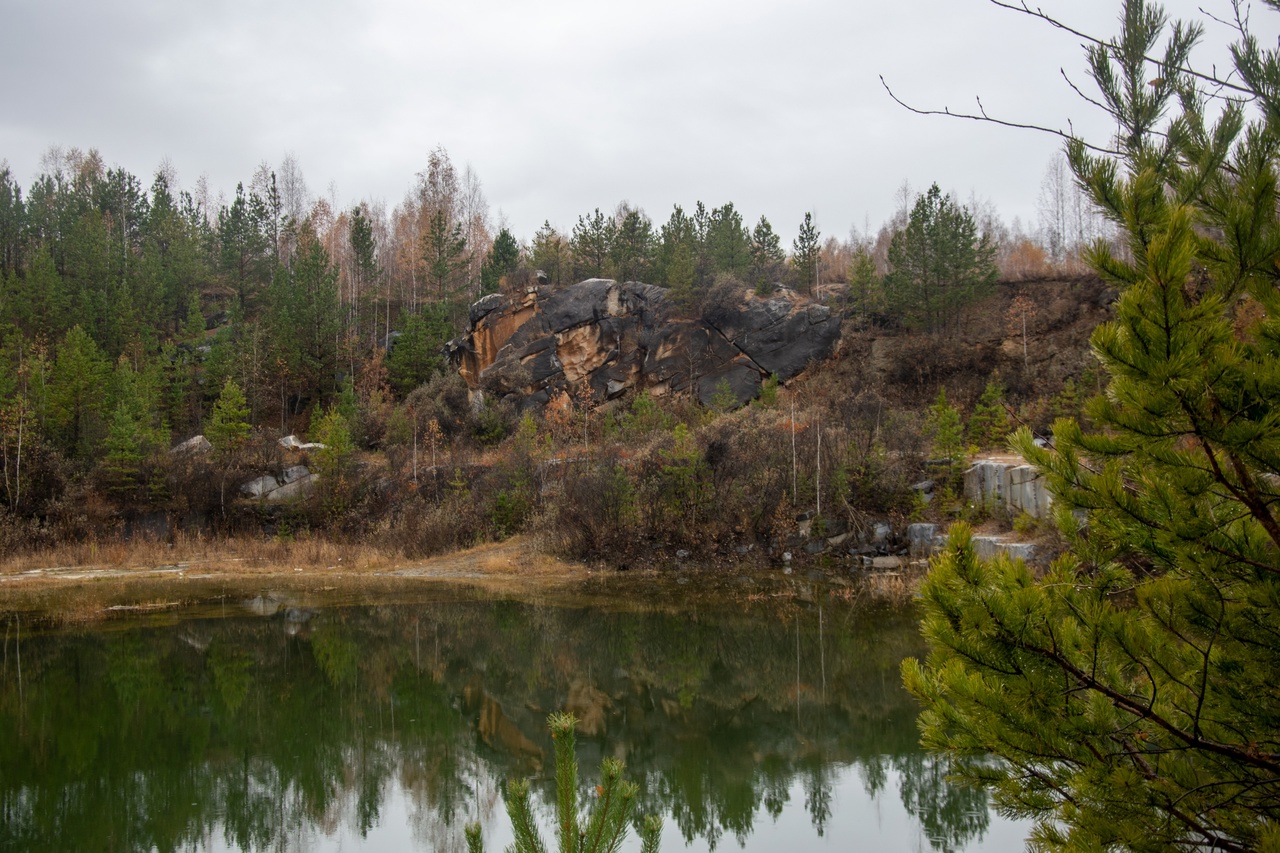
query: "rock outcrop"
1009, 484
295, 482
617, 337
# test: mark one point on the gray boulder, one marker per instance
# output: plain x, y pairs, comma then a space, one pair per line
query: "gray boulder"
260, 487
923, 539
296, 490
193, 446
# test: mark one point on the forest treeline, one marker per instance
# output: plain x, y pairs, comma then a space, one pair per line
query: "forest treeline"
134, 316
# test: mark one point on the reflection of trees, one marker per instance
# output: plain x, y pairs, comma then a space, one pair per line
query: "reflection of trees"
950, 815
269, 731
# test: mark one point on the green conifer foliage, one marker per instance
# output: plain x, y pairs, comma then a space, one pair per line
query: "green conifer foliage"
418, 352
502, 260
866, 288
591, 244
1130, 692
75, 405
228, 427
945, 430
767, 257
122, 463
550, 254
806, 250
938, 264
989, 423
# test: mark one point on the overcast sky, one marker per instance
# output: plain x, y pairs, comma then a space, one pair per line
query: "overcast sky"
561, 106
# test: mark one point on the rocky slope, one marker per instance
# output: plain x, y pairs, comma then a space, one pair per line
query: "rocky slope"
616, 337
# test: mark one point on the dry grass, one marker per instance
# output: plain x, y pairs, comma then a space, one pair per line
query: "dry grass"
231, 555
76, 585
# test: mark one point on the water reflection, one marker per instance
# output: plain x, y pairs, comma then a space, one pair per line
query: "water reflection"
288, 728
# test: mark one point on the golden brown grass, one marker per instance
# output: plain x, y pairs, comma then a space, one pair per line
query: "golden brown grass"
207, 554
84, 584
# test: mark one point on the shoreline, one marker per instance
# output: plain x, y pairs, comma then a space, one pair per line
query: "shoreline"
131, 585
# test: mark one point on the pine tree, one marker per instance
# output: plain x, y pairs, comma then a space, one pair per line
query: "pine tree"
590, 245
228, 427
244, 248
866, 288
938, 264
122, 464
945, 431
631, 255
418, 351
75, 401
767, 256
502, 260
1129, 693
549, 254
678, 258
728, 241
444, 250
989, 423
193, 326
805, 254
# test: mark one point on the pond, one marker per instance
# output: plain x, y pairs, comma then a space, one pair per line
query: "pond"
286, 722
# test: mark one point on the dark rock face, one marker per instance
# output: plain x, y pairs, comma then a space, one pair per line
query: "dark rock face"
620, 336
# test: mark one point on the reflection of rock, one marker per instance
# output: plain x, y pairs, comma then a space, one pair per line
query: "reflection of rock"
617, 337
589, 705
498, 731
262, 605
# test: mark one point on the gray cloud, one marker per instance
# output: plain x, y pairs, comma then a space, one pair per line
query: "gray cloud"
560, 106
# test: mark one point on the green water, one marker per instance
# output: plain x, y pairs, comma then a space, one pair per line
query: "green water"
278, 724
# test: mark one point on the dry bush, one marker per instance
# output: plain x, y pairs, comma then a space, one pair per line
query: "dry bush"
422, 529
595, 514
21, 535
749, 455
445, 398
1024, 261
921, 364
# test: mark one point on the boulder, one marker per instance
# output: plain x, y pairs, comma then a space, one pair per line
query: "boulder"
923, 539
296, 482
880, 534
292, 442
988, 547
195, 445
296, 490
260, 487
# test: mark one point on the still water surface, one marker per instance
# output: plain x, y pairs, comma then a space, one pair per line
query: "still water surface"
277, 724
